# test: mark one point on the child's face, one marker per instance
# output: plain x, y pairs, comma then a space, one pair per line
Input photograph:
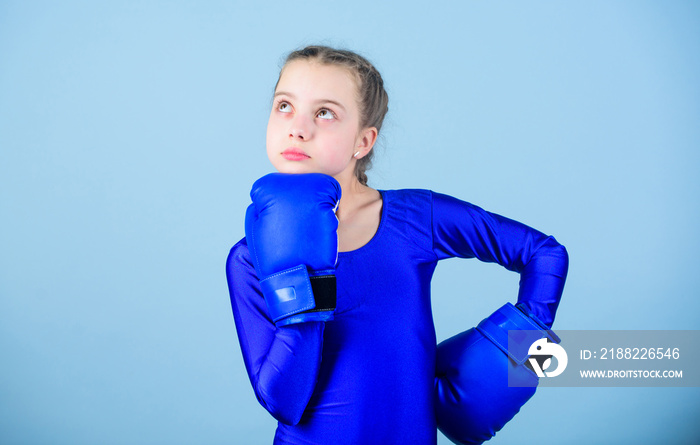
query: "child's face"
314, 124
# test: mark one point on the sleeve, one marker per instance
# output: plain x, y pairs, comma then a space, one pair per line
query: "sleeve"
282, 363
461, 229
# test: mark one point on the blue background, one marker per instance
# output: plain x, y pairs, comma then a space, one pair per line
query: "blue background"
130, 133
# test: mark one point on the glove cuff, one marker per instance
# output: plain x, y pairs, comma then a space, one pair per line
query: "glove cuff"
293, 293
550, 334
524, 331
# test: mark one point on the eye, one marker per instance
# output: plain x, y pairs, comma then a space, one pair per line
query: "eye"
326, 114
284, 107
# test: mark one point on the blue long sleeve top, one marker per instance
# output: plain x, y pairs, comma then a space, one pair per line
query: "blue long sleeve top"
367, 377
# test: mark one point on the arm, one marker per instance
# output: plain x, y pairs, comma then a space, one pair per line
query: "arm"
282, 363
473, 399
464, 230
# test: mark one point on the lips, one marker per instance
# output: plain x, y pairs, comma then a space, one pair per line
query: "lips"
294, 154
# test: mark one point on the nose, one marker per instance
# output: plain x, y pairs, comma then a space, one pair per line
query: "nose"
300, 128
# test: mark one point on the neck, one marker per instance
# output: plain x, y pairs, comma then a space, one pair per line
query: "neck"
353, 196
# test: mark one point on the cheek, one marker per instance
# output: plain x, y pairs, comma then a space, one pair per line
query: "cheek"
272, 141
342, 148
344, 140
273, 130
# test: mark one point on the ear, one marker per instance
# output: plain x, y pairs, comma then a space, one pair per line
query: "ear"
365, 141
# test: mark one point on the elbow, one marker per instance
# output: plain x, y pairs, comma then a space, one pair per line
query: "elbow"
288, 418
554, 257
283, 410
285, 377
564, 260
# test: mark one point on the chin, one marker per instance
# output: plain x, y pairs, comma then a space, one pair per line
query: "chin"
296, 167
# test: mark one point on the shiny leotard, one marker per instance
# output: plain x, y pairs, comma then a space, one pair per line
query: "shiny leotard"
367, 377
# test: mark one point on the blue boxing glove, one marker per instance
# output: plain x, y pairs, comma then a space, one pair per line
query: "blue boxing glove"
291, 230
473, 399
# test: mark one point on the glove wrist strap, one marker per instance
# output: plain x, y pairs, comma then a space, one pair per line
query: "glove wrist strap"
524, 331
292, 292
324, 290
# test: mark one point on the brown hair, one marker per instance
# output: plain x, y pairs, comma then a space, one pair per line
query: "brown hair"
373, 100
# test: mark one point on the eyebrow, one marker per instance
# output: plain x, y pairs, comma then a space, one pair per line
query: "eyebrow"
324, 101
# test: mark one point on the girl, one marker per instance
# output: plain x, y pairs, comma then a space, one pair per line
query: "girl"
362, 370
